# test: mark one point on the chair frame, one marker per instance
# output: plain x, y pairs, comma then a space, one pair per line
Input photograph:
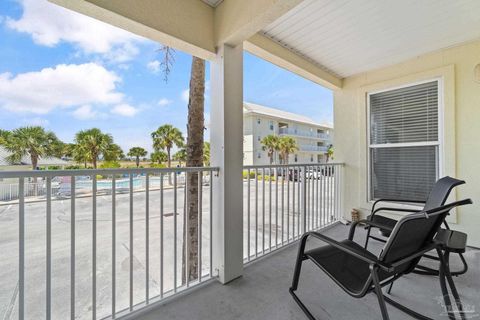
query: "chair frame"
373, 284
420, 269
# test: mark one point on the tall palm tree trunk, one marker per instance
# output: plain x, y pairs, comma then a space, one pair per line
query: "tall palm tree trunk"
195, 128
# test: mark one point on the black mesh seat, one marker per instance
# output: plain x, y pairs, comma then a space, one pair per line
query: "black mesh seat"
351, 273
358, 271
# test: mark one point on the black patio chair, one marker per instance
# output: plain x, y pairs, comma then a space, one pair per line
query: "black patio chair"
437, 197
358, 271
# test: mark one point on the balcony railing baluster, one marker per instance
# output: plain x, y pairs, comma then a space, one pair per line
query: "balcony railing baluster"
72, 248
94, 247
114, 243
306, 197
147, 238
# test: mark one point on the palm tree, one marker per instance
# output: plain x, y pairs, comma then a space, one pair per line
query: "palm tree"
330, 152
81, 155
287, 146
113, 153
91, 144
195, 158
158, 157
4, 136
206, 154
34, 142
137, 152
271, 145
180, 156
165, 138
195, 155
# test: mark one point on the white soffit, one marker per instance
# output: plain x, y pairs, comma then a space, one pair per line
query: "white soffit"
212, 3
348, 37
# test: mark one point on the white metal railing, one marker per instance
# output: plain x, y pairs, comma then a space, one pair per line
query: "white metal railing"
103, 246
9, 191
282, 202
303, 133
306, 147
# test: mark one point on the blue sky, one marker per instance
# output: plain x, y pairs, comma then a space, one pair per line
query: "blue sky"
68, 72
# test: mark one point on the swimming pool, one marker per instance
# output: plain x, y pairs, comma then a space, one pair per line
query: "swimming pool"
107, 184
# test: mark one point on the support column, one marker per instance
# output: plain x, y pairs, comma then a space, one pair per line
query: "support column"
226, 138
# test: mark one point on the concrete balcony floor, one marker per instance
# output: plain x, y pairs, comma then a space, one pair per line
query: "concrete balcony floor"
262, 292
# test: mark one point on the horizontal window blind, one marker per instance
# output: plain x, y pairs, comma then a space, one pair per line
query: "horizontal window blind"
405, 115
404, 142
403, 173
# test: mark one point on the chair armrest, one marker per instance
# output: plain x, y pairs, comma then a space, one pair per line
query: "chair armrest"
351, 251
364, 221
395, 209
395, 200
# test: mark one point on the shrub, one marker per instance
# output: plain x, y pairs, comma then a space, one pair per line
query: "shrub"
259, 177
245, 174
157, 165
110, 165
74, 167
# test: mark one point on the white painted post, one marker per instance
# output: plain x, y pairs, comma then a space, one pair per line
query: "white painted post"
226, 137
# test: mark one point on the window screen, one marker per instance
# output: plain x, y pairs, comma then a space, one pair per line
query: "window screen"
404, 142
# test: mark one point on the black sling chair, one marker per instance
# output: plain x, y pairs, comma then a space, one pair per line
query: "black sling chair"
437, 197
358, 271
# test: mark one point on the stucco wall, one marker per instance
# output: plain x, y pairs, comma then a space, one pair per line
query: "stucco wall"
455, 66
254, 130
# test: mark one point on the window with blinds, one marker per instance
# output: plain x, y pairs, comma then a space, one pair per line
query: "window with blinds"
404, 142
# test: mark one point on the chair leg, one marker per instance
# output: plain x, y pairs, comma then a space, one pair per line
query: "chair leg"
389, 291
444, 259
379, 293
298, 264
368, 236
296, 278
301, 305
465, 267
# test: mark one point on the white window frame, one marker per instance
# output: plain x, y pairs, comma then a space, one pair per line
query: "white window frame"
439, 143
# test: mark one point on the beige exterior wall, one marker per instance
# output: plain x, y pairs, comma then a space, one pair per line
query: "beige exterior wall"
461, 100
254, 132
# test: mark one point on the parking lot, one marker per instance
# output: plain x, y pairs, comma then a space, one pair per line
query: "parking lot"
35, 247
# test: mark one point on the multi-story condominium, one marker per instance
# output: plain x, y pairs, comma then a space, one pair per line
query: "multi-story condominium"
313, 139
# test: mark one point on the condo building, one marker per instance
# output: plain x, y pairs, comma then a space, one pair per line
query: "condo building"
313, 139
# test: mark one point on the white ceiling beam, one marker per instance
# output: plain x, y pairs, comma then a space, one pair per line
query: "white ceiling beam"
273, 52
236, 21
182, 24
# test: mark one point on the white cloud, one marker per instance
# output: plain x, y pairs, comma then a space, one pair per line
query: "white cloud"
154, 66
164, 102
62, 86
85, 112
125, 110
50, 24
37, 121
185, 95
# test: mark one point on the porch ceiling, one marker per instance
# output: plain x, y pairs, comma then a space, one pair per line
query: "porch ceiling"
348, 37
